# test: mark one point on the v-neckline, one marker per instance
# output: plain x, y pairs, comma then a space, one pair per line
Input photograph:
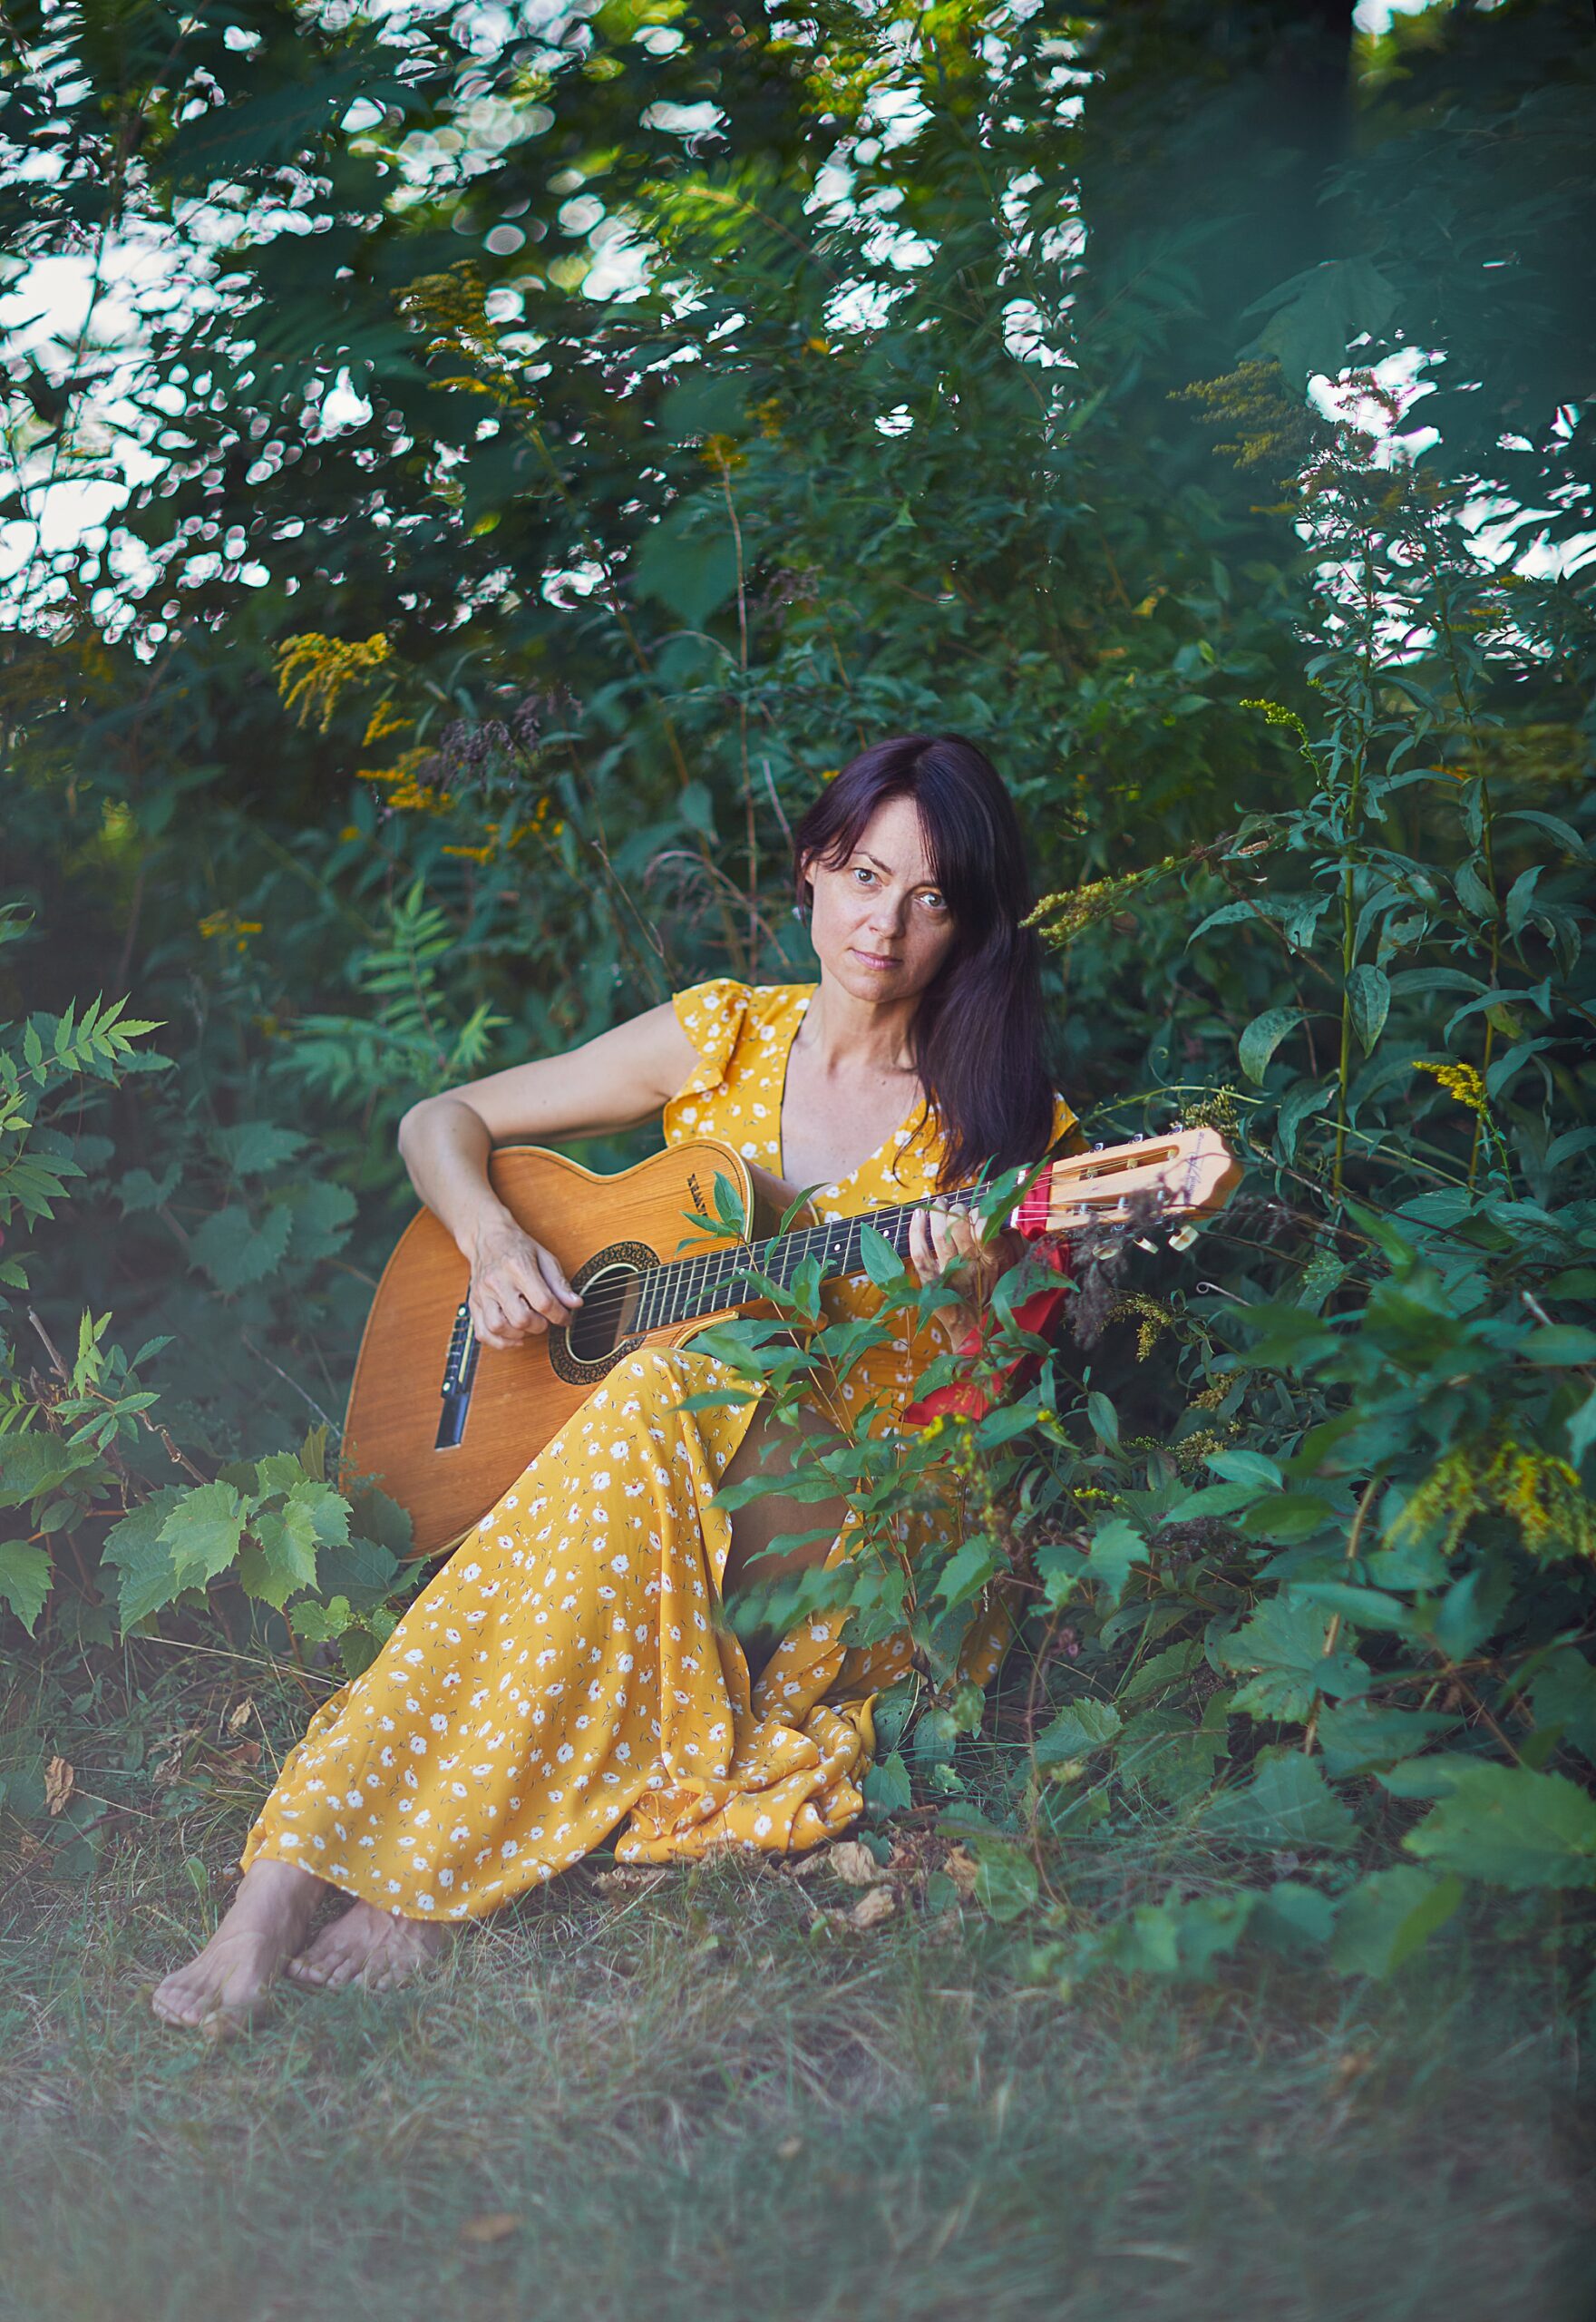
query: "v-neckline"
837, 1184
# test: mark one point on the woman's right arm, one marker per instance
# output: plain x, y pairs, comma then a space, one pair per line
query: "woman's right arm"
518, 1287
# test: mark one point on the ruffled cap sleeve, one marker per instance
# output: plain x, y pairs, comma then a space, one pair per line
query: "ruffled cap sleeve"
712, 1016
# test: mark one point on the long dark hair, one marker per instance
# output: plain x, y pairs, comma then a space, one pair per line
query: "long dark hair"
978, 1031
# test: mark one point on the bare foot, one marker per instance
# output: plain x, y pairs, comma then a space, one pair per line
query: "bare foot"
371, 1947
228, 1984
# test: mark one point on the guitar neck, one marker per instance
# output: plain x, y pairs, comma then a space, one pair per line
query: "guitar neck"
683, 1288
1187, 1172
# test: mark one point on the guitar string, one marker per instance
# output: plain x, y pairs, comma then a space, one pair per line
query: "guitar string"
671, 1291
778, 1257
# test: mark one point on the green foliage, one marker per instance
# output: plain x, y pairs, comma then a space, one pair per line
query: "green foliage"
491, 628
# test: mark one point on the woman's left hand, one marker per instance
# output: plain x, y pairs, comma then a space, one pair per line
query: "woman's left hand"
945, 1245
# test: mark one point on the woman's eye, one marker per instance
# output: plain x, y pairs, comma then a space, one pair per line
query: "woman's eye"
935, 900
860, 872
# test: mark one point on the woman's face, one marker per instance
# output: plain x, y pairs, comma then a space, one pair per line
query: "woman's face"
881, 925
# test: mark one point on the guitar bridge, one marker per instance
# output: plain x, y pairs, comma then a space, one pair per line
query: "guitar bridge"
460, 1368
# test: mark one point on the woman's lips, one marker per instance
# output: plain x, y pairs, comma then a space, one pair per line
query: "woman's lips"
872, 958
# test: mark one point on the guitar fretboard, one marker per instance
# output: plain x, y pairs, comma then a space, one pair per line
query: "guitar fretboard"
683, 1288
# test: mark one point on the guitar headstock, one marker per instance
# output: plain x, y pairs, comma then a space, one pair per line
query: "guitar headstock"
1190, 1173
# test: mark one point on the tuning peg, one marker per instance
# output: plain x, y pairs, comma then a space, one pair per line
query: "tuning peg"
1184, 1239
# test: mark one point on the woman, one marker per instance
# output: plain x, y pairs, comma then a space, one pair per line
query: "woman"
564, 1673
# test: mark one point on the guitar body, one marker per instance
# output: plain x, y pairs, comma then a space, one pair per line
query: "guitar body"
606, 1231
445, 1425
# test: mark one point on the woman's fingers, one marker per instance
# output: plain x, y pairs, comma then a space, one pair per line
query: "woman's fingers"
554, 1275
487, 1318
943, 1240
520, 1295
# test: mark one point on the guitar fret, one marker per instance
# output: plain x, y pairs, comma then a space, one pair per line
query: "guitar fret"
682, 1288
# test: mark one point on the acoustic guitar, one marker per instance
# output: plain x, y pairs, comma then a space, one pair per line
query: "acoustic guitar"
445, 1425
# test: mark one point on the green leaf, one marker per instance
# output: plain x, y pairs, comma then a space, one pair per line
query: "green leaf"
936, 1738
1006, 1877
705, 403
1511, 1827
1164, 1751
1284, 1644
1582, 1428
1368, 1608
224, 142
1564, 1344
880, 1260
1291, 1915
378, 1518
363, 1570
886, 1786
1182, 1936
35, 1462
1471, 1610
24, 1579
235, 1251
140, 1191
729, 1207
203, 1532
280, 1555
1117, 1546
1210, 1499
1317, 313
135, 1547
1356, 1739
688, 563
1369, 1000
696, 807
316, 1624
1240, 1467
1388, 1916
1262, 1038
967, 1571
1288, 1803
1080, 1727
1564, 1694
1520, 900
250, 1149
1102, 1417
323, 1213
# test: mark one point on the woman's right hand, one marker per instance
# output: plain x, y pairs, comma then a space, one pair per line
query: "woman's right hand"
517, 1286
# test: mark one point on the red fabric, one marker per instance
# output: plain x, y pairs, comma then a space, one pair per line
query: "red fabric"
969, 1397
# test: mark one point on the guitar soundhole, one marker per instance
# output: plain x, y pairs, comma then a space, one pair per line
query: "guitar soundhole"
602, 1327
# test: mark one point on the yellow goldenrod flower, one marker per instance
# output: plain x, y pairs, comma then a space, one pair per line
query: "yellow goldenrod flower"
1460, 1080
224, 925
384, 720
313, 670
1152, 1320
1536, 1491
721, 454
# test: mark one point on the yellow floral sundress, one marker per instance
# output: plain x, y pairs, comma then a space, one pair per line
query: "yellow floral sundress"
564, 1672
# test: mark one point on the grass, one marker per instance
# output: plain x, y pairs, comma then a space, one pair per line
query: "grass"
705, 2098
